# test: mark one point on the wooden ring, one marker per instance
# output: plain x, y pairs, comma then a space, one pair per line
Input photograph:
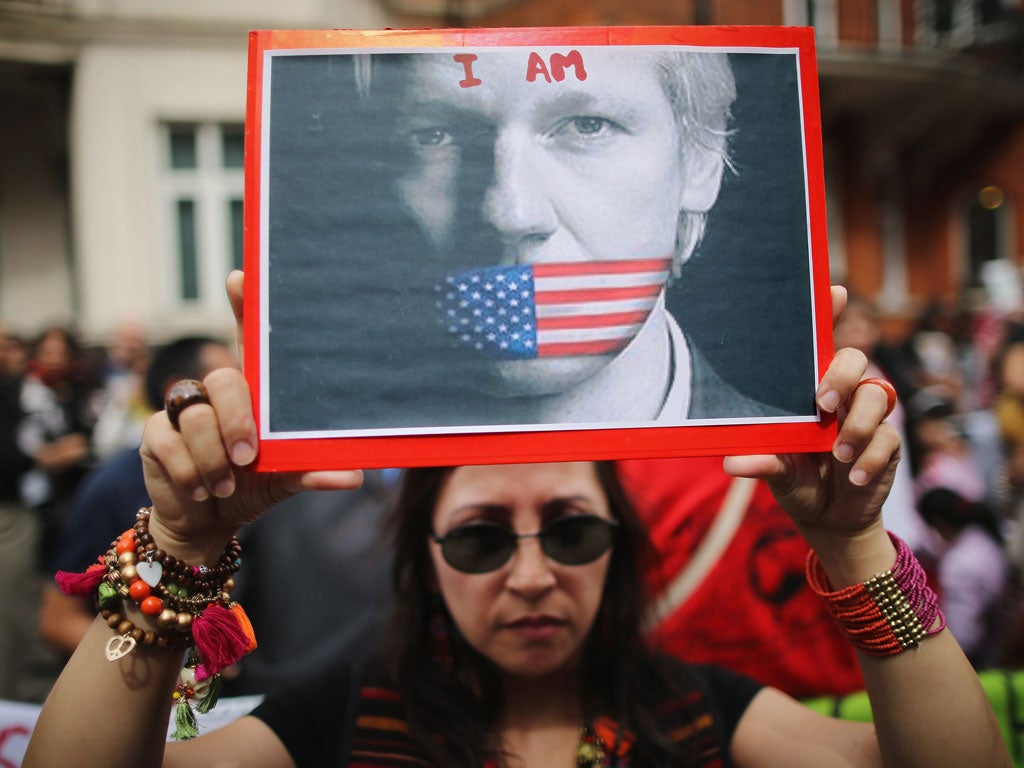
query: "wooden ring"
887, 387
180, 396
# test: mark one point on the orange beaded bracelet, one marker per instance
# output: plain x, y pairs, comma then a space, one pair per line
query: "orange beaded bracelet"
191, 605
887, 614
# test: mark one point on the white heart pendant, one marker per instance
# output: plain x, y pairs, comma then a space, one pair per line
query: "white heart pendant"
120, 646
150, 572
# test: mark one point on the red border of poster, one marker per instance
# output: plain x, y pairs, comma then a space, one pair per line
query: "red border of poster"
306, 453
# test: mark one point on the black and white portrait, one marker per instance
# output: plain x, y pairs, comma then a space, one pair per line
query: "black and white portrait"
519, 238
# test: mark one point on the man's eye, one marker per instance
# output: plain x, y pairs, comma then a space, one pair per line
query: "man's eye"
431, 137
590, 126
583, 129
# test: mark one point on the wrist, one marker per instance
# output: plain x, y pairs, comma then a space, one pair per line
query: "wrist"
852, 558
201, 550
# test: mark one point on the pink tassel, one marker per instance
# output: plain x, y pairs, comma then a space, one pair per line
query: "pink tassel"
81, 584
218, 638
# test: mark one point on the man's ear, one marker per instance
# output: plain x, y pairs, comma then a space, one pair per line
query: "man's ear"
702, 178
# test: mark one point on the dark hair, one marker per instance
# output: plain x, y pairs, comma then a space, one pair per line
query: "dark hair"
452, 714
181, 359
947, 506
68, 336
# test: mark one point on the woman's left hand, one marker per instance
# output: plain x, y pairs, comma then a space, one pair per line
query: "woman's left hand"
841, 492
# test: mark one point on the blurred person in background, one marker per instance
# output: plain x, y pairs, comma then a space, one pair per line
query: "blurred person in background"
19, 536
972, 569
55, 427
1008, 407
13, 356
859, 327
935, 347
120, 401
940, 452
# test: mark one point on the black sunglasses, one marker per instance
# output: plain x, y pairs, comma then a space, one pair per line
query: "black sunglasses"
484, 546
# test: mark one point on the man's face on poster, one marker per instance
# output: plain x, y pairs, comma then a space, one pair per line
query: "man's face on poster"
516, 161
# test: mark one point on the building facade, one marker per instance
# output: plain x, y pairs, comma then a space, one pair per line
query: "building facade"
121, 156
121, 151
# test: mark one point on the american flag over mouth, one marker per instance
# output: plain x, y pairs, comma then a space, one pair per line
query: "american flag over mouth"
551, 310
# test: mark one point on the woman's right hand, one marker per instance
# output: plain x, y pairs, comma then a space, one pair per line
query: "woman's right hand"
201, 480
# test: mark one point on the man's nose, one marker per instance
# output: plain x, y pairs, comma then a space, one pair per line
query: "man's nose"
517, 203
531, 574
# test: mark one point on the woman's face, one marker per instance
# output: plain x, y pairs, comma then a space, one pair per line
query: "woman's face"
53, 355
531, 616
510, 172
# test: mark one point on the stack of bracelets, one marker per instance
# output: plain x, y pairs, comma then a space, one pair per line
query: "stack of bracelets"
887, 614
190, 605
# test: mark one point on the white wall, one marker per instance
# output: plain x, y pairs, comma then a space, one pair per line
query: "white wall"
123, 93
123, 241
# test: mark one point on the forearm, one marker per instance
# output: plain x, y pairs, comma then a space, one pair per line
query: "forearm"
127, 666
927, 703
107, 713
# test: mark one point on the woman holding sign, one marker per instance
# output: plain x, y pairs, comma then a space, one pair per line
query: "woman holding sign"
517, 639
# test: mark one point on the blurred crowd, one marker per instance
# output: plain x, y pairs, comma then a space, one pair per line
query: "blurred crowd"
71, 421
65, 411
960, 379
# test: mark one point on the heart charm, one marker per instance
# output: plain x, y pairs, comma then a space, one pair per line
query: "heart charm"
150, 572
120, 646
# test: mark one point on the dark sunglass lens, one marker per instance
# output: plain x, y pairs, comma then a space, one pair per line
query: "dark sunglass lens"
577, 540
477, 548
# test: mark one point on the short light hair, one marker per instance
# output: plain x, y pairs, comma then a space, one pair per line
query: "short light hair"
701, 88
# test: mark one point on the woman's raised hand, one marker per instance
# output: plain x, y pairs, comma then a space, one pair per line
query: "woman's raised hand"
200, 479
841, 492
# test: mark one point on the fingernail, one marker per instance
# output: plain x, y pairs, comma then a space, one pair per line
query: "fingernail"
858, 477
242, 453
844, 452
829, 401
200, 494
224, 488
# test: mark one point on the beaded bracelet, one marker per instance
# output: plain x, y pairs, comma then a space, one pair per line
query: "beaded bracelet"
191, 605
887, 614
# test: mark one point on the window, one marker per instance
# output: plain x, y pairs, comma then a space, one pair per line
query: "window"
203, 169
963, 22
986, 231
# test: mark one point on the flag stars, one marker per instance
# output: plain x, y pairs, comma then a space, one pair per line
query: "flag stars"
486, 310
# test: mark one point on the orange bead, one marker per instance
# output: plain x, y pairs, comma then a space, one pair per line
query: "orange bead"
151, 606
139, 590
125, 545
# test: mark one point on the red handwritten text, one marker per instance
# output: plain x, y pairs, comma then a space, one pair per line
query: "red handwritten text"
466, 60
556, 67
